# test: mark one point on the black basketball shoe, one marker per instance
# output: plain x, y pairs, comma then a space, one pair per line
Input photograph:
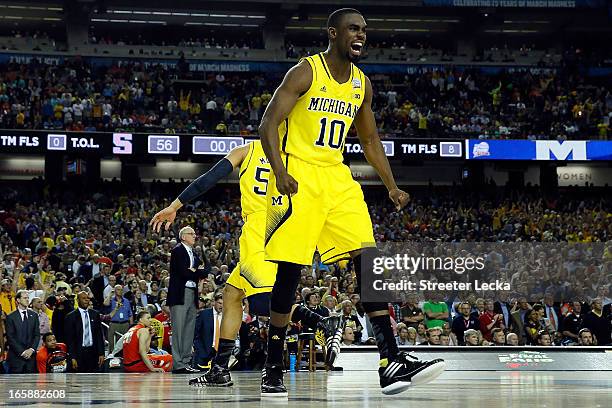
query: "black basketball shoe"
405, 370
272, 382
329, 334
217, 376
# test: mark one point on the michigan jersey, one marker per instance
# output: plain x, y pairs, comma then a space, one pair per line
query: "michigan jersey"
317, 126
254, 176
253, 274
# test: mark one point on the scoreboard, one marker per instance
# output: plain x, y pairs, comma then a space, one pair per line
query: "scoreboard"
140, 145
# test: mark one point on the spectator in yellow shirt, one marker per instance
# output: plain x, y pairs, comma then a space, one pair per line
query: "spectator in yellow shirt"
221, 128
195, 109
265, 98
603, 131
20, 119
7, 297
256, 102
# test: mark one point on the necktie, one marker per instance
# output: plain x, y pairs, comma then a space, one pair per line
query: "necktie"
551, 316
25, 316
87, 334
217, 331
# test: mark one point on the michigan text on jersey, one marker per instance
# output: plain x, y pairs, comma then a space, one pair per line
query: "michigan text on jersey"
331, 105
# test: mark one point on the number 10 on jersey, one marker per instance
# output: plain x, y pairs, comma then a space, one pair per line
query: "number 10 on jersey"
334, 141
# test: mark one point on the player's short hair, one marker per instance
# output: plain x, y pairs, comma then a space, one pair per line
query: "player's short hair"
335, 17
142, 313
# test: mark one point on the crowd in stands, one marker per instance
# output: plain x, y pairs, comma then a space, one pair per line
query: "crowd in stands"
397, 50
166, 41
56, 242
540, 104
38, 40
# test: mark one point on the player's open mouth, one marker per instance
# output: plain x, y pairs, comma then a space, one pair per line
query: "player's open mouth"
356, 47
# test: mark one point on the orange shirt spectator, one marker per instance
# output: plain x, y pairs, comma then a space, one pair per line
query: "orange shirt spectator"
58, 363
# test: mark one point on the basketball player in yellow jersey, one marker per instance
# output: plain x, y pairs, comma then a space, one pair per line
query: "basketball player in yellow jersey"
312, 199
253, 277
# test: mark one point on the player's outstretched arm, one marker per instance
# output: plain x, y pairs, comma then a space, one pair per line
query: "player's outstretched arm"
199, 186
296, 82
373, 148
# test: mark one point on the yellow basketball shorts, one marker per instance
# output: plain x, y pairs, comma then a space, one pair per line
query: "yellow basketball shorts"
327, 213
253, 274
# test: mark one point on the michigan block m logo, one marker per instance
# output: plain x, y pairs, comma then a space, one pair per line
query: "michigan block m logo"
277, 200
553, 150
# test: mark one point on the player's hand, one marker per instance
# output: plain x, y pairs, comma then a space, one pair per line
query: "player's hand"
399, 197
75, 365
100, 361
285, 184
166, 215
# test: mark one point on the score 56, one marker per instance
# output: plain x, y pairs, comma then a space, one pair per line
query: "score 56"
167, 144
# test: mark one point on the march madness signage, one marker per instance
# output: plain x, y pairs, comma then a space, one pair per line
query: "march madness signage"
523, 359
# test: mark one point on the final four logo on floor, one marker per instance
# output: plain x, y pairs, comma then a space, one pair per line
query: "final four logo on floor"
524, 359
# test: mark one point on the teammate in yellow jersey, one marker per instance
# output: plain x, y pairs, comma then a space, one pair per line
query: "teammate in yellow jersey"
312, 199
253, 277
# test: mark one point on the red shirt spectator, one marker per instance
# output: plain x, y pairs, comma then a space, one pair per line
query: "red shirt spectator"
490, 320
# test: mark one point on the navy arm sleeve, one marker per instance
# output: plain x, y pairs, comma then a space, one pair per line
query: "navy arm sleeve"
203, 183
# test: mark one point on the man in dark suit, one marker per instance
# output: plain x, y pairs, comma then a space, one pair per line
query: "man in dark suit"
84, 338
207, 332
598, 323
185, 272
552, 312
23, 336
98, 283
63, 306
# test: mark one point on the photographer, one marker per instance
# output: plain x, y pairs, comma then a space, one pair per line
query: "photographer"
121, 314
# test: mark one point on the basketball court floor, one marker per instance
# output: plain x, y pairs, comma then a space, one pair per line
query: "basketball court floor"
341, 389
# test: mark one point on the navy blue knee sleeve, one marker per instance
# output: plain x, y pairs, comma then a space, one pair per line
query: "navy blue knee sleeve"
369, 307
283, 293
259, 304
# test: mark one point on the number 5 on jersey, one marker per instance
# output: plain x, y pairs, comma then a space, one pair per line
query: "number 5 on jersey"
262, 175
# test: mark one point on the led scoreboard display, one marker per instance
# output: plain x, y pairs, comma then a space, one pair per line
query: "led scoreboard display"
124, 144
215, 145
166, 144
